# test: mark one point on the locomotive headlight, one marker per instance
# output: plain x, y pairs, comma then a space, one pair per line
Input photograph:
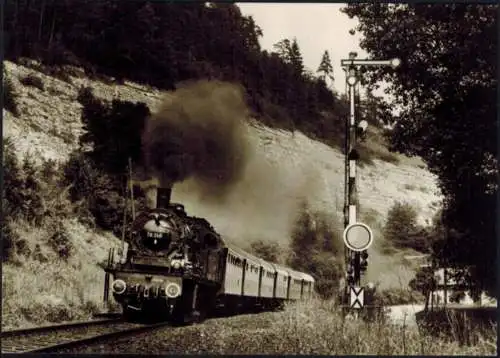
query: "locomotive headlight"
176, 265
172, 290
119, 287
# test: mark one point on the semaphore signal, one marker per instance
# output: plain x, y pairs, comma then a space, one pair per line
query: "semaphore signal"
357, 236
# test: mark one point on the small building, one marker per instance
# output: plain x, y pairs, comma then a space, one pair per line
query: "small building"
449, 291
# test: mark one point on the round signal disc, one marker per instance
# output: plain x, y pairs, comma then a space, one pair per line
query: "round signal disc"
358, 237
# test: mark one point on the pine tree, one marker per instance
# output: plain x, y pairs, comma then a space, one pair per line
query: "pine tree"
296, 58
325, 67
283, 49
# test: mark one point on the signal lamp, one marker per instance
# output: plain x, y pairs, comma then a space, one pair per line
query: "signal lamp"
364, 261
351, 80
349, 269
350, 280
395, 62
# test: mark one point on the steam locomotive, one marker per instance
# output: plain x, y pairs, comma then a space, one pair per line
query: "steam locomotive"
178, 268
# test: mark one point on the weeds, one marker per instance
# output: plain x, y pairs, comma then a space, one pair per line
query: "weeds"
62, 74
399, 296
318, 327
60, 241
37, 293
34, 81
10, 97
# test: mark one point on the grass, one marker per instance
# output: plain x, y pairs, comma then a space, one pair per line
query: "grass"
38, 287
375, 147
318, 327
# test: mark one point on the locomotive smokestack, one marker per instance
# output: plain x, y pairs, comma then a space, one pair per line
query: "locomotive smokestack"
158, 193
163, 197
158, 189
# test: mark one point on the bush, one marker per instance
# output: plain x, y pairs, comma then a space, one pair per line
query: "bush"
316, 249
32, 191
402, 231
34, 81
114, 131
10, 97
94, 192
13, 181
9, 237
60, 241
85, 96
398, 296
61, 73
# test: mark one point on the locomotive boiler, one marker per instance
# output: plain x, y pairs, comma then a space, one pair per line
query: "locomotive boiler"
177, 267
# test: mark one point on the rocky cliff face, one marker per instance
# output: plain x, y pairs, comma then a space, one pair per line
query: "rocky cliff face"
285, 167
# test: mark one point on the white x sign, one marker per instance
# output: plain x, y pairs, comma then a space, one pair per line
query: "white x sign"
357, 297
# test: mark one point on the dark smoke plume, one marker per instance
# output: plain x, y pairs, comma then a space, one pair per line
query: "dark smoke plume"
198, 132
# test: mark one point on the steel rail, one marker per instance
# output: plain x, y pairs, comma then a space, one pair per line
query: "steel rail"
35, 339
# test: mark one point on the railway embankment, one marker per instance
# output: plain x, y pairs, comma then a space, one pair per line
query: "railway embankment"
306, 328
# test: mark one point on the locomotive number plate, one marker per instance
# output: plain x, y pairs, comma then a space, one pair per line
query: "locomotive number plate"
155, 235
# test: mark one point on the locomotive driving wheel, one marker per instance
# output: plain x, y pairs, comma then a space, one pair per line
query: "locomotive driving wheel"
182, 313
194, 305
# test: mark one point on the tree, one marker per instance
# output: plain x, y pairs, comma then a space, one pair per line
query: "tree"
12, 199
325, 68
162, 44
296, 58
375, 110
402, 230
424, 282
269, 251
113, 131
283, 49
446, 89
32, 201
315, 247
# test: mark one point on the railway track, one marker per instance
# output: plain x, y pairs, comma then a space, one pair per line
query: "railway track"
55, 337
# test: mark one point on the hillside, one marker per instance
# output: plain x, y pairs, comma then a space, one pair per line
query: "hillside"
50, 124
284, 169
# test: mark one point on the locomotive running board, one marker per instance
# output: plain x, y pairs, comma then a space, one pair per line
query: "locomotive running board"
134, 308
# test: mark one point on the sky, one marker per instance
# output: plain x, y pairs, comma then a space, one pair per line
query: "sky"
317, 27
